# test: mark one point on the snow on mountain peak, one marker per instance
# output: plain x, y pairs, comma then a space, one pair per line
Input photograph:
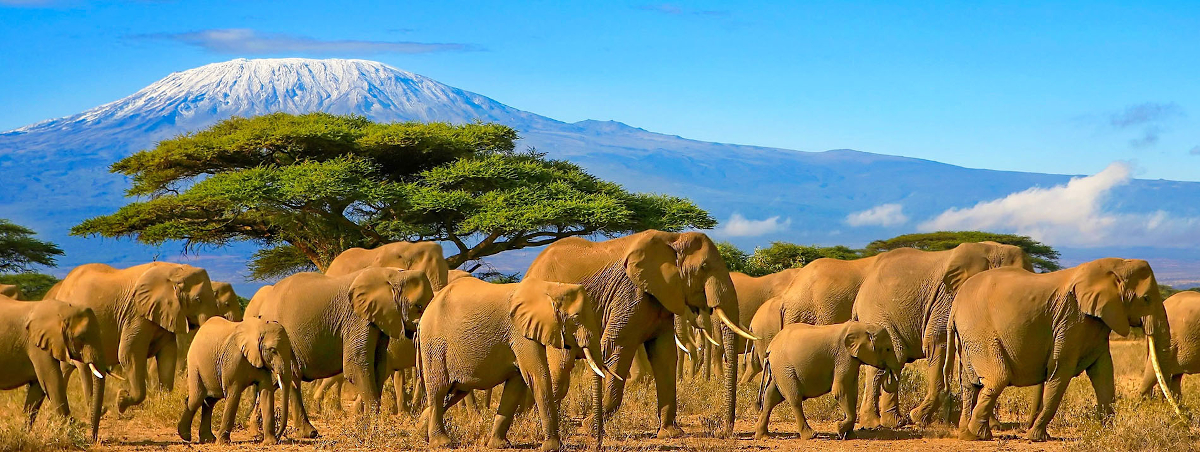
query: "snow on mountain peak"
195, 98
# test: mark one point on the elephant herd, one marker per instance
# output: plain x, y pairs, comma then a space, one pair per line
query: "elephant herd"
977, 313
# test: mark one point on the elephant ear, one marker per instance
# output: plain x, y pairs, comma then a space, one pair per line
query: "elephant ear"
857, 339
1099, 294
536, 313
966, 261
48, 331
653, 266
377, 294
157, 296
248, 338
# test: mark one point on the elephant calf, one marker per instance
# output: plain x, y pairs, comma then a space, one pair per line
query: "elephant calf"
476, 335
806, 361
37, 338
224, 359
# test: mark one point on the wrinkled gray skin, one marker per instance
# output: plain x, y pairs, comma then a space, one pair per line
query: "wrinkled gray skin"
806, 361
38, 338
1183, 317
342, 324
909, 292
226, 358
140, 310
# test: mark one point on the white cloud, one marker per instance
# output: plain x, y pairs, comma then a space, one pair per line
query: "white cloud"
739, 226
1072, 215
881, 215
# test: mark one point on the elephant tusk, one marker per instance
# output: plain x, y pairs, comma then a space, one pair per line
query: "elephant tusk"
115, 375
279, 381
720, 313
612, 374
710, 338
587, 354
95, 372
1162, 380
681, 347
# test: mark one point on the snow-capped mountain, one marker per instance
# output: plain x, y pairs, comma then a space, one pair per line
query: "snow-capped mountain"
55, 172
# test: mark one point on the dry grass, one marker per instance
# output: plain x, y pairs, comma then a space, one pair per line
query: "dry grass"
1139, 425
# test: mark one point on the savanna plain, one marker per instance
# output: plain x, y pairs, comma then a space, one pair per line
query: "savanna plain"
1138, 424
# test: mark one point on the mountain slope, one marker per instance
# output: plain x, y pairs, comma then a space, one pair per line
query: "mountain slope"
56, 170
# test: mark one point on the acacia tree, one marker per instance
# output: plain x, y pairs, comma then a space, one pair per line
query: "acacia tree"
20, 252
307, 187
1043, 256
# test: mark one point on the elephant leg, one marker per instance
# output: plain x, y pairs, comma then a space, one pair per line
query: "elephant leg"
34, 395
68, 369
401, 397
320, 389
970, 396
979, 427
266, 397
1101, 375
206, 410
868, 408
561, 363
304, 427
233, 396
845, 392
771, 398
1051, 396
889, 405
435, 400
923, 414
662, 354
166, 359
1176, 386
1149, 383
531, 359
51, 385
194, 400
1036, 409
513, 392
135, 366
614, 390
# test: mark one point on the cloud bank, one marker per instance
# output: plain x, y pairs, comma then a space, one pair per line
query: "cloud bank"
244, 41
1072, 215
882, 215
739, 226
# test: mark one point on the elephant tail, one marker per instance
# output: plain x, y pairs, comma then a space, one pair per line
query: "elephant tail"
766, 381
417, 378
952, 350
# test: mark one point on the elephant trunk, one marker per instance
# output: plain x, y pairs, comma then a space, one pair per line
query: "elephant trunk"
729, 340
285, 380
97, 407
598, 410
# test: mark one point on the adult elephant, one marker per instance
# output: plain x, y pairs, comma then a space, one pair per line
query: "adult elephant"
1018, 328
820, 293
909, 292
39, 338
11, 291
640, 282
1183, 317
140, 310
342, 324
229, 305
421, 256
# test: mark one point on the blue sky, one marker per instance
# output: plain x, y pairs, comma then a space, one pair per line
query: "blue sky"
1063, 88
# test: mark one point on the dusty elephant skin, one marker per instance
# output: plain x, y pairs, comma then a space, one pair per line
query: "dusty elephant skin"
909, 292
226, 358
228, 305
477, 335
10, 291
1017, 328
809, 361
1183, 317
820, 293
40, 338
140, 310
342, 324
639, 283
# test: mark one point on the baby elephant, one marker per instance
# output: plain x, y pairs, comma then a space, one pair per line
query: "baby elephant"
806, 361
224, 359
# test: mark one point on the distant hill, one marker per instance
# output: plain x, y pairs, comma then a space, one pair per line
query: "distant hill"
56, 171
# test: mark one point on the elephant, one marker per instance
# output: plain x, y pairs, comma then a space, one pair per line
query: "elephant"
227, 357
820, 293
38, 338
909, 292
810, 361
140, 310
11, 291
1183, 317
228, 304
1010, 327
640, 282
476, 335
342, 324
421, 256
401, 355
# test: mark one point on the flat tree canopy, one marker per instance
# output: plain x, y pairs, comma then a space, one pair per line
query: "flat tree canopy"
780, 256
307, 187
1043, 257
19, 251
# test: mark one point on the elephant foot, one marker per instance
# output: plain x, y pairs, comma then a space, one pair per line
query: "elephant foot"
270, 440
123, 401
669, 431
922, 415
185, 431
1037, 435
552, 444
206, 438
439, 440
306, 431
848, 434
498, 443
223, 439
966, 435
892, 419
761, 433
869, 419
807, 433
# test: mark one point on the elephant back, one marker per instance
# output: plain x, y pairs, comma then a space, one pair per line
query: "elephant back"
1183, 316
